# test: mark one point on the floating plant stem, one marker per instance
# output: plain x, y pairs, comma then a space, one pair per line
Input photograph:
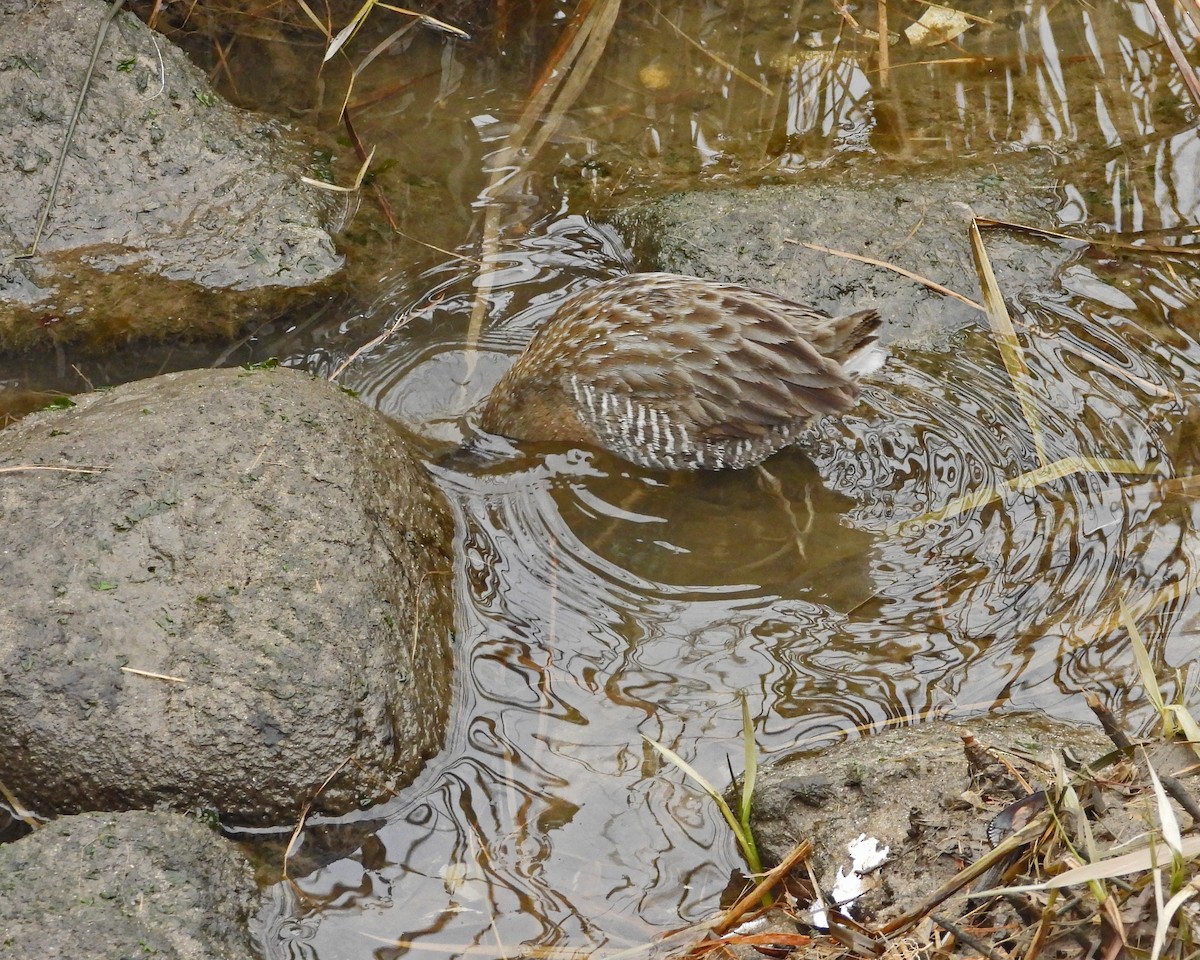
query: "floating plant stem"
1006, 340
1033, 478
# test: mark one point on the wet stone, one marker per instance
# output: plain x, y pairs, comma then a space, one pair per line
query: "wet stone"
124, 885
265, 550
919, 222
810, 791
915, 790
168, 195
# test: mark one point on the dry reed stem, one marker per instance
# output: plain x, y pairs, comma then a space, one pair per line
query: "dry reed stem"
1109, 242
885, 62
566, 73
802, 851
1186, 71
69, 135
294, 840
971, 872
19, 808
1192, 9
374, 342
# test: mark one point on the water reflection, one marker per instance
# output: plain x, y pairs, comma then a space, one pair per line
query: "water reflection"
601, 603
605, 603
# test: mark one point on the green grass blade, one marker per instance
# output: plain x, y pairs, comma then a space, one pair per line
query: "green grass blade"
745, 842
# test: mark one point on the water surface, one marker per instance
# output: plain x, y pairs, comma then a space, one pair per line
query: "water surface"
601, 603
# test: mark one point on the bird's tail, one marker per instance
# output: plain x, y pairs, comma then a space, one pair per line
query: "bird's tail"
861, 348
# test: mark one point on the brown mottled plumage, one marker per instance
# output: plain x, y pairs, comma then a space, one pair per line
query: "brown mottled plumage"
680, 373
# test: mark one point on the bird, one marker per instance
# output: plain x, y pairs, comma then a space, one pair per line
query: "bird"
673, 372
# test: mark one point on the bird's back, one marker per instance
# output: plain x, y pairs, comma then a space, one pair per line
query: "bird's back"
682, 373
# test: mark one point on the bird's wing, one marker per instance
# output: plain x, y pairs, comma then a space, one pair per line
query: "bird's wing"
723, 361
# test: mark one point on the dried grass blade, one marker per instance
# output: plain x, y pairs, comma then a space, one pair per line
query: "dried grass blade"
931, 284
351, 28
367, 61
967, 874
313, 17
1175, 717
1167, 821
347, 31
429, 21
1069, 803
1136, 861
1006, 340
1167, 912
1026, 481
335, 188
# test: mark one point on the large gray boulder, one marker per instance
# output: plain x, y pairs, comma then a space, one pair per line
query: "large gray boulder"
125, 885
168, 194
262, 542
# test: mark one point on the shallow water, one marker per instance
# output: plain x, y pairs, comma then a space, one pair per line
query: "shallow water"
601, 603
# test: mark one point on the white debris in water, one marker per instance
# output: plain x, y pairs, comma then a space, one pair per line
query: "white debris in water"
866, 854
463, 880
757, 925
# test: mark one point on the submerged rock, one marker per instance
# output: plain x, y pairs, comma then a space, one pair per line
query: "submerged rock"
168, 196
125, 885
266, 552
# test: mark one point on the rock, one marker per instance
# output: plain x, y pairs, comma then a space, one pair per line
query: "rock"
917, 222
915, 790
258, 536
169, 194
125, 885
